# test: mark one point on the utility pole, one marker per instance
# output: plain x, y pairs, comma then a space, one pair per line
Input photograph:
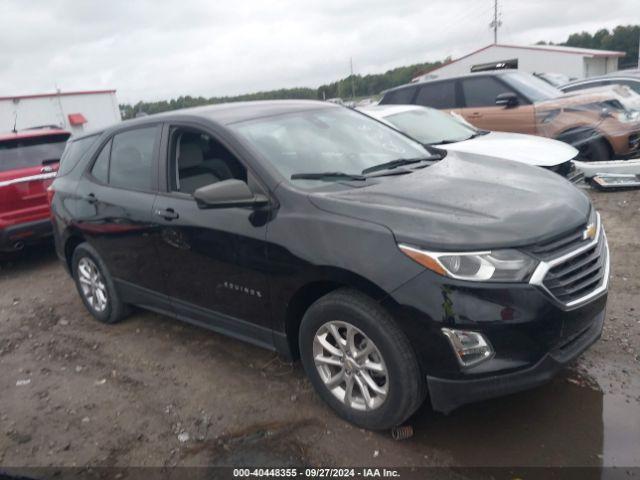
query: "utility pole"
353, 87
495, 23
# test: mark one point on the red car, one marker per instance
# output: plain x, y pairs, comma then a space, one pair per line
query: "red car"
29, 160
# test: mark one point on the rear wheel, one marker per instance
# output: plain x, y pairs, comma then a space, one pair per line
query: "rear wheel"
359, 361
95, 285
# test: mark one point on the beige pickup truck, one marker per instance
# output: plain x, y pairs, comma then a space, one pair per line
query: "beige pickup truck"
599, 123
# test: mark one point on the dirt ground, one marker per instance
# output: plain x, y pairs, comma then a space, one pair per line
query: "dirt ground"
155, 392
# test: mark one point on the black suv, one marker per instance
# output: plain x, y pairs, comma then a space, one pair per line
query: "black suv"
318, 232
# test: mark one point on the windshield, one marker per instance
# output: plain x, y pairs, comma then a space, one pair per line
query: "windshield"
531, 87
31, 151
431, 126
326, 140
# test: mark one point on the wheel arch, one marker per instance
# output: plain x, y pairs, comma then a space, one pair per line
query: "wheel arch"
70, 244
584, 130
324, 282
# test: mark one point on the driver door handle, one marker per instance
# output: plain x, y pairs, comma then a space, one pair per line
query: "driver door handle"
167, 214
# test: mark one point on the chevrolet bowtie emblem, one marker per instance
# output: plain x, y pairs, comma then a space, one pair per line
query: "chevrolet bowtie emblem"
589, 232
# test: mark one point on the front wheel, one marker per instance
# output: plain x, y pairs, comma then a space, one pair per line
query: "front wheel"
592, 147
359, 361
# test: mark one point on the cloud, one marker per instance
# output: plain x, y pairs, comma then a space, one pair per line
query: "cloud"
151, 50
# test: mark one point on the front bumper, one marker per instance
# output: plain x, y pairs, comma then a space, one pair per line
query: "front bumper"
14, 238
447, 395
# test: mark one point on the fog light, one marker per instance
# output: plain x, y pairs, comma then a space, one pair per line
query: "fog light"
470, 348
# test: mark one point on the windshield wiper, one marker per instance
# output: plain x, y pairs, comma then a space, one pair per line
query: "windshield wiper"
398, 163
477, 133
328, 176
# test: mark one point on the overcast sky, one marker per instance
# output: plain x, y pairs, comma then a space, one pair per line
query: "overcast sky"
152, 49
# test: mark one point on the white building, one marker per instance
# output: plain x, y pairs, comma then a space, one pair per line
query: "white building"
570, 61
73, 111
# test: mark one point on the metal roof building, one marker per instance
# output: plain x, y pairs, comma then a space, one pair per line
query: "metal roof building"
571, 61
72, 111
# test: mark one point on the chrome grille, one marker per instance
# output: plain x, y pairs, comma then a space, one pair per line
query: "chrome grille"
564, 244
579, 275
574, 270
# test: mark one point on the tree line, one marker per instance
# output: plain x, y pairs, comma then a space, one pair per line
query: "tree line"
361, 86
623, 38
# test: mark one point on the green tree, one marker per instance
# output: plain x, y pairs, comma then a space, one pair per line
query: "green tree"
623, 38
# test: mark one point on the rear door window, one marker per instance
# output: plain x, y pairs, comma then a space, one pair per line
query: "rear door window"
402, 96
29, 152
482, 91
132, 159
441, 95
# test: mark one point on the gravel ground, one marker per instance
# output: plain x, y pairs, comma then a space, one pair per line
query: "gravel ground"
154, 392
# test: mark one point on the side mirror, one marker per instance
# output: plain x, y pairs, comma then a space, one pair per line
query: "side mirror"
507, 100
226, 194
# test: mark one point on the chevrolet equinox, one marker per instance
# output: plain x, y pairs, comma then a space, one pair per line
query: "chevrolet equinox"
393, 272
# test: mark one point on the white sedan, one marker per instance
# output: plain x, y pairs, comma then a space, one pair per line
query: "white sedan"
435, 128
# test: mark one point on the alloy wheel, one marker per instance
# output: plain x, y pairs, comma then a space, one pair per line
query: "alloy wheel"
92, 284
350, 365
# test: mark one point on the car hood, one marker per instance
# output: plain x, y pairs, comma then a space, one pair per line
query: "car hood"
539, 151
466, 202
627, 97
580, 98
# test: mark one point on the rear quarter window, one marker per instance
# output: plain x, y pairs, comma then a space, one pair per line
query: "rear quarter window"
74, 152
29, 152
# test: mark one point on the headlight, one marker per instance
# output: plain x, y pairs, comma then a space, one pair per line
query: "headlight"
495, 266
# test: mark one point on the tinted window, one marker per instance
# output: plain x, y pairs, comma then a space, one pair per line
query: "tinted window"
73, 152
600, 83
31, 152
573, 88
437, 95
100, 170
400, 97
482, 91
132, 159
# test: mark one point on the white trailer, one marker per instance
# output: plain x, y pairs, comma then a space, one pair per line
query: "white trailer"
72, 111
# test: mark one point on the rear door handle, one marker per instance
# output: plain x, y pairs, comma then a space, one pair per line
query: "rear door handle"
167, 214
91, 198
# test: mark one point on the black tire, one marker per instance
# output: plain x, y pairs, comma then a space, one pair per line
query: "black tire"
591, 146
115, 310
596, 150
406, 384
